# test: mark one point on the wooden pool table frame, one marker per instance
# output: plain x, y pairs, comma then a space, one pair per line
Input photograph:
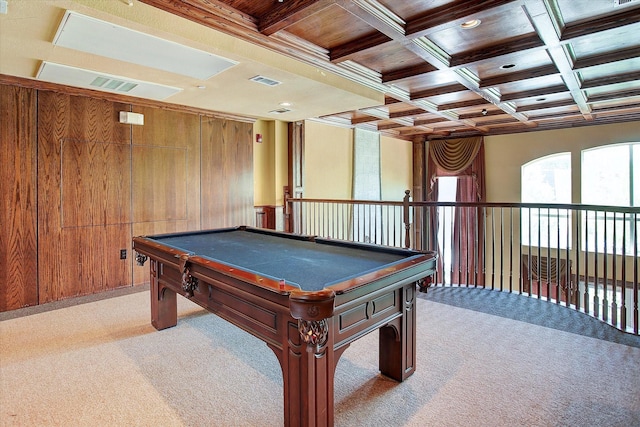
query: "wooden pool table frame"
307, 331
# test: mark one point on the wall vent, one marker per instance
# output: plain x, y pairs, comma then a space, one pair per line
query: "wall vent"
617, 3
265, 81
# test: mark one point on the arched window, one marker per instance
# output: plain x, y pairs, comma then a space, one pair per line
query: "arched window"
546, 180
610, 177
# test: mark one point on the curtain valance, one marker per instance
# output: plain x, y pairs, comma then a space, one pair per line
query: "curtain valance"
454, 155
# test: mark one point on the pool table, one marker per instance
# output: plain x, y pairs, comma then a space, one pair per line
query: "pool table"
306, 297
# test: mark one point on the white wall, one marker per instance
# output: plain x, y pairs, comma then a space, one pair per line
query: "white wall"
505, 154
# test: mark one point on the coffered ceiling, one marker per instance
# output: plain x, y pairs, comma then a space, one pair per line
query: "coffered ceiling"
440, 68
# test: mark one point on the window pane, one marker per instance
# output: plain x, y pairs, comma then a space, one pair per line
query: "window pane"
605, 176
609, 178
546, 180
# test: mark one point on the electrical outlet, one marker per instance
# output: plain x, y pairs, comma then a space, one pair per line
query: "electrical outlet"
123, 254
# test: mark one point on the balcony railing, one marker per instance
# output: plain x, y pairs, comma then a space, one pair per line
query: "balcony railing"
584, 257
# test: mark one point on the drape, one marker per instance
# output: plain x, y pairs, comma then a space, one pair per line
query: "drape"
463, 159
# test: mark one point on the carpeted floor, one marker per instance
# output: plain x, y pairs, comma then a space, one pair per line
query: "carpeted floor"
481, 362
530, 310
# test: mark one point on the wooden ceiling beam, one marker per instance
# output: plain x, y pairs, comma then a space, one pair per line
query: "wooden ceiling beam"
442, 16
547, 70
407, 113
595, 60
543, 91
526, 42
348, 50
365, 119
289, 12
388, 126
408, 72
601, 23
546, 21
424, 122
463, 104
546, 105
440, 90
632, 93
475, 115
609, 80
210, 13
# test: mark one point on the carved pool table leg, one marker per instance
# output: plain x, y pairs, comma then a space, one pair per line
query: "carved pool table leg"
308, 373
397, 340
164, 308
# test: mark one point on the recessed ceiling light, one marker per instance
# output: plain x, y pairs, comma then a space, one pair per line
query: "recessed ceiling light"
473, 23
285, 104
201, 87
507, 66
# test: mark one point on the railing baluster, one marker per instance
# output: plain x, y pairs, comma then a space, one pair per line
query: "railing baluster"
576, 215
558, 275
510, 250
493, 248
592, 273
605, 289
636, 287
623, 279
614, 272
548, 256
596, 269
501, 250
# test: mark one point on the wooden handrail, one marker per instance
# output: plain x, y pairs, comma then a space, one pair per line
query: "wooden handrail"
489, 253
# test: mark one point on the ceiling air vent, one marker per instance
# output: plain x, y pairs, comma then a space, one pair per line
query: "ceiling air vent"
265, 81
280, 111
80, 77
617, 3
113, 84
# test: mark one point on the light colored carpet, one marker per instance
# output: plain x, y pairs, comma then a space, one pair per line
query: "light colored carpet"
103, 364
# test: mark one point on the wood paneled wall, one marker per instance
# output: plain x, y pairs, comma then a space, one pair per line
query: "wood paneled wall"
100, 182
18, 221
84, 203
225, 175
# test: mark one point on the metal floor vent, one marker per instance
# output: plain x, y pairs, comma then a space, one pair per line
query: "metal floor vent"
265, 81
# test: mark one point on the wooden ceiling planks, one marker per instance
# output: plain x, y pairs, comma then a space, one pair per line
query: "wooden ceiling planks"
530, 64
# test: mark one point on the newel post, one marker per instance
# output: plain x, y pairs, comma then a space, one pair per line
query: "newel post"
407, 224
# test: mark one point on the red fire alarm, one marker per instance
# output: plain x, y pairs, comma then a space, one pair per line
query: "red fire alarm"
258, 137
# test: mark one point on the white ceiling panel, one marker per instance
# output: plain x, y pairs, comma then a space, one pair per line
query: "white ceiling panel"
78, 77
101, 38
